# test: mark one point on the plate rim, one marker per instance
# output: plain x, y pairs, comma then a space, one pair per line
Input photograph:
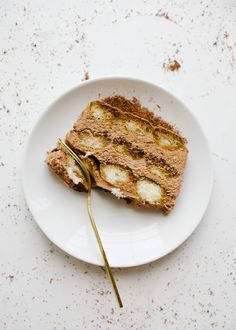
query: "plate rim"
97, 80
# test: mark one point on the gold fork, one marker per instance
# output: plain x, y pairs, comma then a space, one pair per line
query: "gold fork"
87, 177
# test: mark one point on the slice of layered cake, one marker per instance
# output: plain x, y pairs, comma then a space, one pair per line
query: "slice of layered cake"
129, 151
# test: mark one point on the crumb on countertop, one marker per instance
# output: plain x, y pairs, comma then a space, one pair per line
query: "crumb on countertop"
172, 65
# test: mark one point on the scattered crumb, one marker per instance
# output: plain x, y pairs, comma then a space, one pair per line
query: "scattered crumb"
11, 277
210, 292
226, 35
86, 76
172, 65
215, 43
161, 13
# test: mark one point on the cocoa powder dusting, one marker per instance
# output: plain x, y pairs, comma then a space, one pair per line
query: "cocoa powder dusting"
134, 106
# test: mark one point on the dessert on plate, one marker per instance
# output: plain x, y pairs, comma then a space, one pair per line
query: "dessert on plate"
129, 151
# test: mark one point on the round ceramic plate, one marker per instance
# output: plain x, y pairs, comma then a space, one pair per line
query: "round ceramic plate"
131, 236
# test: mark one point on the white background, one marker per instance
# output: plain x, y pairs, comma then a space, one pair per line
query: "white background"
45, 48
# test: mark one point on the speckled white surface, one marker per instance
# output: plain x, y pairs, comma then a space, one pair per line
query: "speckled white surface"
46, 47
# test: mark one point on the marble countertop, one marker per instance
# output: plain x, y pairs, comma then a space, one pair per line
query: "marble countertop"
46, 47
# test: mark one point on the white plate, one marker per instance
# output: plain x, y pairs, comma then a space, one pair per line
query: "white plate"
130, 236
